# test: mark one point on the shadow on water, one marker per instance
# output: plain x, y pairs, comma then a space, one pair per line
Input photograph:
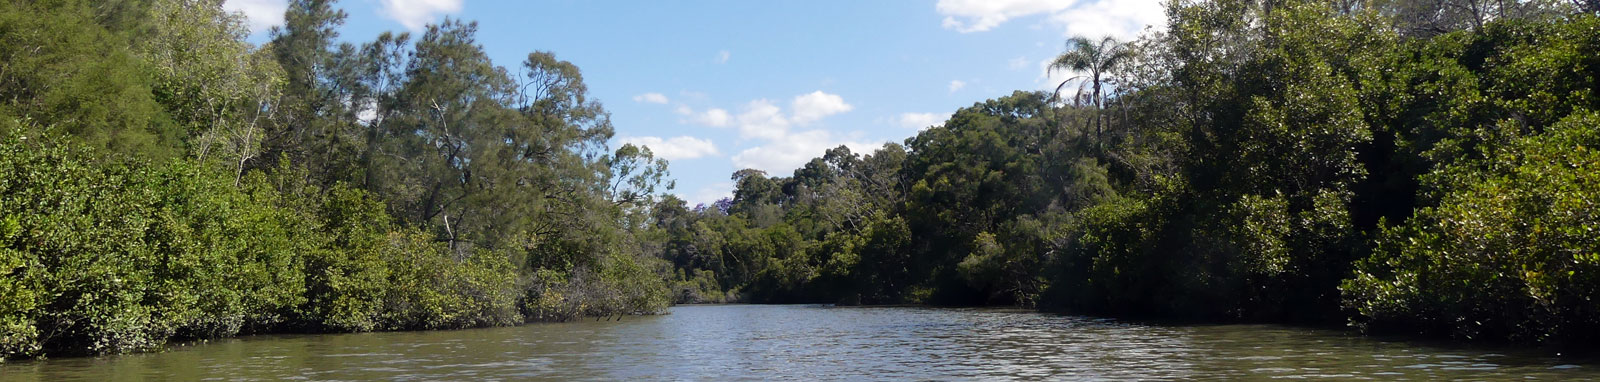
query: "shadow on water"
815, 342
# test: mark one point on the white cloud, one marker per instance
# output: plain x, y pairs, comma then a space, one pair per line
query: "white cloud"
415, 14
259, 14
969, 16
708, 194
956, 85
921, 121
782, 156
1018, 63
684, 147
723, 56
816, 105
761, 119
368, 112
714, 117
781, 149
657, 98
1123, 19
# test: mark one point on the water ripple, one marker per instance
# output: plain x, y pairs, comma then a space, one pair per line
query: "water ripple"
819, 343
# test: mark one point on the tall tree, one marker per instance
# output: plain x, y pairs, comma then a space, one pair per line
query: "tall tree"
313, 113
211, 80
450, 100
376, 77
1097, 59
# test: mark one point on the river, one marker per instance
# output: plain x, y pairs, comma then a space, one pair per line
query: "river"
802, 342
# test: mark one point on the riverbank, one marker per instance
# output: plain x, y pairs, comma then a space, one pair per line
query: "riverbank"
1328, 164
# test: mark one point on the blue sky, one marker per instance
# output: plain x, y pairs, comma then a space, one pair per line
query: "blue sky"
716, 86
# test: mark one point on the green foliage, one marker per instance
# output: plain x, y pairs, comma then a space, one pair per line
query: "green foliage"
210, 80
1252, 221
622, 284
58, 67
116, 259
1507, 253
1104, 267
1286, 161
162, 179
1496, 249
700, 288
166, 180
430, 288
127, 255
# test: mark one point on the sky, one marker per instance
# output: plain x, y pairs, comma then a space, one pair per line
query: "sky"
718, 86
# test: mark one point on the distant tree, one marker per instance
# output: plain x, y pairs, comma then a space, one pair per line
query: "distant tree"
1096, 59
723, 205
1427, 18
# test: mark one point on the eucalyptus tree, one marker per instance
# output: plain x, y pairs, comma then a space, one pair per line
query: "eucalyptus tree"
552, 155
450, 104
377, 74
635, 173
309, 122
1096, 60
756, 196
224, 91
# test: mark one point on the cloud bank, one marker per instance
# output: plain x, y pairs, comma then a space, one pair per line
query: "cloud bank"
676, 148
259, 14
416, 14
1120, 18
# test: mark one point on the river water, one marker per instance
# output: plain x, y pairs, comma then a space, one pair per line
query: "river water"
765, 342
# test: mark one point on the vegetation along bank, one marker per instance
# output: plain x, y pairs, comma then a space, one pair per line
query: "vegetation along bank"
1401, 166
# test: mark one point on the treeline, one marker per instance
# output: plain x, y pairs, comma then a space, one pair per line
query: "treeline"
1421, 167
1404, 166
162, 179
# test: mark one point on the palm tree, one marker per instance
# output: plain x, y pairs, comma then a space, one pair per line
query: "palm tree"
1095, 60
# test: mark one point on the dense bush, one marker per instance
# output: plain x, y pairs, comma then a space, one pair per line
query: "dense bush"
1509, 252
1500, 246
1255, 161
164, 179
109, 258
622, 285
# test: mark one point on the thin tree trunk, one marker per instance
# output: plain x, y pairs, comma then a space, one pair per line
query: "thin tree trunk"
1098, 106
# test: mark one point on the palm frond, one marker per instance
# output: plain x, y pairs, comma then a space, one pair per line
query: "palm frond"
1056, 95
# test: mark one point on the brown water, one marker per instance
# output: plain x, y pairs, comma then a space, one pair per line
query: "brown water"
753, 342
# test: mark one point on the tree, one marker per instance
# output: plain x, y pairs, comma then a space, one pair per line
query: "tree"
212, 80
634, 174
1096, 58
1429, 18
58, 67
377, 76
450, 99
407, 186
317, 123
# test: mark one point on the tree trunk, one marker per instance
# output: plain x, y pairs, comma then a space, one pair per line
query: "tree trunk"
1098, 105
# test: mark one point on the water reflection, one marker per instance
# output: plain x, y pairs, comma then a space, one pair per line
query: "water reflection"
817, 343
